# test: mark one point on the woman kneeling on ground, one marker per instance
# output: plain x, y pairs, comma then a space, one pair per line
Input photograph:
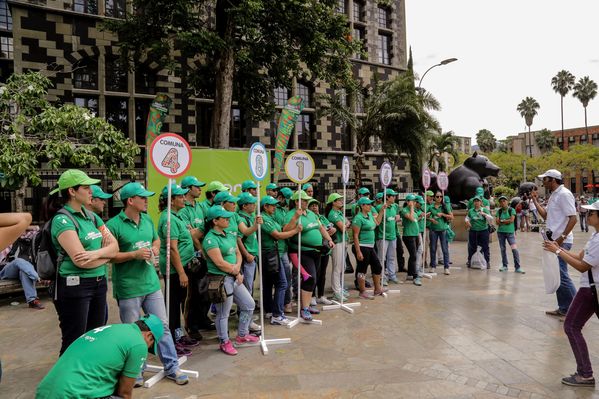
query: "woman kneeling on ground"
585, 302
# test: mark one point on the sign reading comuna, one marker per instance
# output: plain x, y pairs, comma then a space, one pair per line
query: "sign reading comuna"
170, 155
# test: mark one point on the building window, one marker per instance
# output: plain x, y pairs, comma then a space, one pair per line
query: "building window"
341, 7
88, 102
142, 109
360, 37
305, 92
571, 139
236, 135
145, 80
203, 123
116, 74
6, 69
85, 74
6, 48
359, 103
304, 129
115, 8
583, 138
358, 11
117, 113
383, 17
86, 6
281, 96
5, 17
346, 144
384, 49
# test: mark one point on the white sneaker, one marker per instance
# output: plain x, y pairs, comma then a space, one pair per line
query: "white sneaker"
267, 315
447, 272
324, 301
255, 327
313, 301
280, 321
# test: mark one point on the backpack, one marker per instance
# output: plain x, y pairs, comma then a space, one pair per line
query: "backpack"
22, 248
508, 212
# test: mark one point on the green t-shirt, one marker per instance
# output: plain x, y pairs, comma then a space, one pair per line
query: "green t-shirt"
478, 221
89, 236
441, 224
486, 203
311, 236
367, 225
421, 219
136, 277
325, 222
410, 228
269, 225
226, 242
180, 233
251, 241
334, 217
193, 215
390, 225
505, 214
280, 216
93, 363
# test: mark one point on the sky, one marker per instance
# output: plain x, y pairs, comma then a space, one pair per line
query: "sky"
506, 50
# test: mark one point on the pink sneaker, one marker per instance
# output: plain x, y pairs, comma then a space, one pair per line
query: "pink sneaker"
227, 348
247, 339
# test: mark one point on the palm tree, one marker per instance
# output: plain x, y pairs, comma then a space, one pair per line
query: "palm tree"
528, 110
442, 145
585, 90
392, 111
562, 83
486, 141
545, 140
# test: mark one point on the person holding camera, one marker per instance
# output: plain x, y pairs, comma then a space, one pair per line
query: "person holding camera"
506, 231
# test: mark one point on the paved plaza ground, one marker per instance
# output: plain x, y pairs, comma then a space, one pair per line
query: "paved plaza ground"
473, 334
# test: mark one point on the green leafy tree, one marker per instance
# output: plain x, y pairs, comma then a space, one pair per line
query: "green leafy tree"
512, 170
503, 190
528, 110
545, 140
585, 90
562, 83
35, 133
242, 49
441, 147
486, 141
392, 111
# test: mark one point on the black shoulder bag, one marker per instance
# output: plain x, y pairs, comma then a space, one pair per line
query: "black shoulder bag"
594, 291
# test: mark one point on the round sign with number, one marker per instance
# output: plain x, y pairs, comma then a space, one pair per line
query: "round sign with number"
258, 160
442, 181
386, 174
426, 178
345, 170
170, 154
299, 167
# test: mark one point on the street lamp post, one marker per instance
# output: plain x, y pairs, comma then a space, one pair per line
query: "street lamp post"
444, 62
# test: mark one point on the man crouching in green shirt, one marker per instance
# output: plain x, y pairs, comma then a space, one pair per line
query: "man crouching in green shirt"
103, 361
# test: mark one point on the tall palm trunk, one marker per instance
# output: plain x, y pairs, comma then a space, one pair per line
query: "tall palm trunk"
529, 143
562, 112
586, 127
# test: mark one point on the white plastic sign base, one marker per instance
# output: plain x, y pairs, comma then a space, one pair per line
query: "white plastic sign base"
150, 382
343, 306
278, 341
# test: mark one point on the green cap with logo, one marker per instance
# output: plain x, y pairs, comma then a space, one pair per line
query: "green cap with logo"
363, 191
246, 198
429, 193
410, 197
72, 178
134, 189
224, 196
300, 194
287, 192
268, 200
216, 186
272, 186
306, 186
391, 193
477, 198
217, 211
313, 201
379, 196
97, 192
175, 190
333, 197
419, 199
365, 201
502, 197
189, 181
156, 328
246, 185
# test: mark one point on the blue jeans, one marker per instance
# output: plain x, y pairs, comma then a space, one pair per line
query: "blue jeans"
24, 271
245, 306
249, 274
566, 291
419, 252
130, 311
286, 265
511, 239
390, 263
442, 236
275, 304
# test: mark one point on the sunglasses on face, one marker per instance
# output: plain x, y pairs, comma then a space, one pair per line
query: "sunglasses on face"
438, 196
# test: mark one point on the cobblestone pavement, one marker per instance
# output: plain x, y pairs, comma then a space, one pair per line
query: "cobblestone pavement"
472, 334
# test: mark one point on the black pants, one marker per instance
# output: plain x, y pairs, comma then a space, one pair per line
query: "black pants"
177, 296
370, 259
321, 276
196, 308
311, 263
411, 244
401, 263
479, 239
80, 308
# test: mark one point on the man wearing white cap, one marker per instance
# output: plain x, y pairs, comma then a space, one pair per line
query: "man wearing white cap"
560, 216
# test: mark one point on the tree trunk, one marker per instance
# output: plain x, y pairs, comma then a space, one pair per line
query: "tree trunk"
586, 126
358, 165
20, 197
562, 112
225, 66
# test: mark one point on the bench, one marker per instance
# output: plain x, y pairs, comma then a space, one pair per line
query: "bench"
14, 286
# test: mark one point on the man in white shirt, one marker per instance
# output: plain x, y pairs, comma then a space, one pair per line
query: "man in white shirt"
560, 217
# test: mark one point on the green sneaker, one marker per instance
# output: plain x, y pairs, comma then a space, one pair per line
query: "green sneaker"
418, 281
503, 269
519, 270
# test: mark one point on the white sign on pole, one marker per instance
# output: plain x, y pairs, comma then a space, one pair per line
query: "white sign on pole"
442, 181
299, 167
170, 155
426, 178
345, 170
386, 174
258, 160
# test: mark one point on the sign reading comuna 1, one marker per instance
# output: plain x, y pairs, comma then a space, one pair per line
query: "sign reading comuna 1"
170, 155
299, 167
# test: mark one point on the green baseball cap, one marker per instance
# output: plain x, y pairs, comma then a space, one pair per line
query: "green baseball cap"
156, 328
98, 193
175, 190
480, 191
410, 197
216, 186
300, 194
429, 193
134, 189
248, 184
272, 186
189, 181
502, 197
365, 201
333, 197
379, 196
224, 196
306, 186
246, 198
477, 198
391, 192
313, 201
268, 200
72, 178
419, 199
217, 211
287, 192
363, 191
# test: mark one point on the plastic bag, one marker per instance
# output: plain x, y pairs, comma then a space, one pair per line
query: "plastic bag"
478, 260
450, 234
551, 275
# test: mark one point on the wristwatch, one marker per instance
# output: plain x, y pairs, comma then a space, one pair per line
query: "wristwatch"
564, 236
559, 251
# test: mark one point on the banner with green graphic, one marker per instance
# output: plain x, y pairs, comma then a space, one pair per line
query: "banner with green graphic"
159, 110
289, 116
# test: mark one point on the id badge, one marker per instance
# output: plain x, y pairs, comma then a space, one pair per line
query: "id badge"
72, 281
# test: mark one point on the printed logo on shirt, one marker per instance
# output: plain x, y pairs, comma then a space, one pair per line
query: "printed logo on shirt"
311, 225
92, 236
141, 244
231, 251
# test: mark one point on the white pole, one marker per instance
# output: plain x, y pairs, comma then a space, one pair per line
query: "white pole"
384, 231
262, 338
168, 248
299, 256
344, 246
